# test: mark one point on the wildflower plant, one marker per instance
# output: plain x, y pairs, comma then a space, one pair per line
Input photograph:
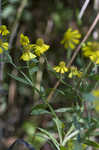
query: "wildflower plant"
40, 47
3, 40
27, 47
74, 72
61, 68
71, 38
76, 85
3, 30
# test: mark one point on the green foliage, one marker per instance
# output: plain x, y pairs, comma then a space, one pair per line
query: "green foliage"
62, 100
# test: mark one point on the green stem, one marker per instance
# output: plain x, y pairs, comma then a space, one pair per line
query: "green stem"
87, 68
69, 52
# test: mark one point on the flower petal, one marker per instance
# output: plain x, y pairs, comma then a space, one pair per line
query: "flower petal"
27, 56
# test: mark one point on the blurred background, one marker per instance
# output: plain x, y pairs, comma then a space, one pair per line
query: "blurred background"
47, 19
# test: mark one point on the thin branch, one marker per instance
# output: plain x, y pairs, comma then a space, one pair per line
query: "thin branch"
53, 90
83, 9
96, 5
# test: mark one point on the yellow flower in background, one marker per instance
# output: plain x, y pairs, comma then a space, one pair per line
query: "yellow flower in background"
71, 38
61, 68
24, 40
40, 47
26, 56
74, 72
3, 30
27, 47
95, 57
96, 101
3, 45
91, 50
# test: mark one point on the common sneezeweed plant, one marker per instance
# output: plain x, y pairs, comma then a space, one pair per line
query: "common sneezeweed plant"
27, 47
74, 131
39, 48
77, 130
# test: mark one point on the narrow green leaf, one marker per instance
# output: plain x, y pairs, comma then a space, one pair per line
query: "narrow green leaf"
26, 77
51, 137
63, 110
39, 110
59, 125
91, 143
19, 79
60, 91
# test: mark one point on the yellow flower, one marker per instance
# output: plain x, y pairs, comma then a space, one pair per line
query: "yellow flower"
27, 47
95, 57
40, 47
3, 30
26, 56
24, 40
96, 101
74, 72
3, 45
71, 38
61, 68
91, 50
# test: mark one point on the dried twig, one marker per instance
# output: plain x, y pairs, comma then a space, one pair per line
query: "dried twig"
83, 9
